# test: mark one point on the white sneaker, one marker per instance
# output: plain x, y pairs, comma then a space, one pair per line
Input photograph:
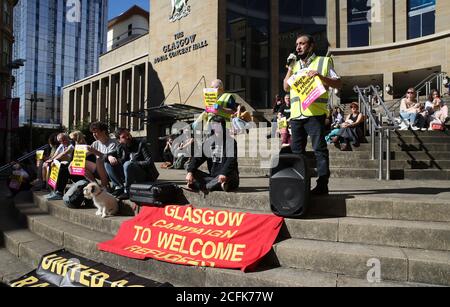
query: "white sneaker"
430, 129
403, 127
424, 129
414, 128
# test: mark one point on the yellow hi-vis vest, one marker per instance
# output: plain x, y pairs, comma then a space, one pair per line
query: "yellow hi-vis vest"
320, 106
223, 102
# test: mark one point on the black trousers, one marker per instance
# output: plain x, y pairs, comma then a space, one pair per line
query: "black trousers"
314, 127
206, 181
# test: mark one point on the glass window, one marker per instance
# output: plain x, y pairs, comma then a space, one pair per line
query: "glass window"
358, 23
299, 17
247, 50
421, 18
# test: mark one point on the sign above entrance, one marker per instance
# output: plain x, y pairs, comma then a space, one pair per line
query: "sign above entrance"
183, 44
180, 9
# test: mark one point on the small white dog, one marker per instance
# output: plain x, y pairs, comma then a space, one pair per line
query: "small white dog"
106, 203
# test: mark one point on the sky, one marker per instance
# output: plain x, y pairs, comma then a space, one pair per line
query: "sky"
117, 7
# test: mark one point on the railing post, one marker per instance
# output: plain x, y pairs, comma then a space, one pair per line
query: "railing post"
380, 158
388, 154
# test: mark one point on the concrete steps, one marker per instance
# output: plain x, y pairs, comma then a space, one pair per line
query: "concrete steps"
410, 150
11, 267
337, 205
414, 234
352, 260
341, 163
48, 233
292, 254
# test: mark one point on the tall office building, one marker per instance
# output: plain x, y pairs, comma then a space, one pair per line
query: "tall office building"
61, 41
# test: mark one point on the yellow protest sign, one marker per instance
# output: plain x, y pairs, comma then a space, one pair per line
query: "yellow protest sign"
54, 173
78, 165
210, 96
282, 123
39, 155
309, 89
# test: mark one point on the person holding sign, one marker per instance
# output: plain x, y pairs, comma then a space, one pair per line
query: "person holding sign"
82, 155
217, 102
305, 78
41, 182
60, 161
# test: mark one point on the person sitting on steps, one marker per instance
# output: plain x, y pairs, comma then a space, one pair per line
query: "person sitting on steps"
352, 129
221, 155
409, 108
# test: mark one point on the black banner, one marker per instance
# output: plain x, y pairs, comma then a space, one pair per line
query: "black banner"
63, 269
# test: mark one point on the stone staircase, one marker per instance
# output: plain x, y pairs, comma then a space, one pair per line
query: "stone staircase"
415, 155
402, 224
405, 227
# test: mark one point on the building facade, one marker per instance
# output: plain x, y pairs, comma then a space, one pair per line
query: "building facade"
390, 42
246, 43
127, 27
6, 45
7, 107
61, 42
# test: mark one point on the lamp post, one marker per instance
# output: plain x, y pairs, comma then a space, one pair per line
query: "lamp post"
16, 64
32, 100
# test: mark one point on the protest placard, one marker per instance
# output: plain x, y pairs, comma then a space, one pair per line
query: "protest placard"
78, 165
309, 89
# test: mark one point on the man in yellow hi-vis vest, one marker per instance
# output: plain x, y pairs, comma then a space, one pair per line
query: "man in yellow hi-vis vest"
311, 121
225, 106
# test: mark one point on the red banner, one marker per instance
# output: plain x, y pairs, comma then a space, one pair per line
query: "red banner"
197, 237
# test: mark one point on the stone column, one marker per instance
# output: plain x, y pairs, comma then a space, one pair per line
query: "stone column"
332, 19
343, 25
442, 15
401, 21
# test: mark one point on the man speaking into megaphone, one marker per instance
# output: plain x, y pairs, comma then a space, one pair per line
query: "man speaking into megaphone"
310, 120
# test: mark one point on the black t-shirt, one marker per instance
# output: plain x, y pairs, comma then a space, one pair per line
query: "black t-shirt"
285, 110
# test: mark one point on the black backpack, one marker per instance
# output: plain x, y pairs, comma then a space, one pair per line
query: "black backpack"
74, 197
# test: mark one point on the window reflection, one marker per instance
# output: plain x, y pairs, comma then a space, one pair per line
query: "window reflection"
358, 23
247, 54
298, 17
421, 18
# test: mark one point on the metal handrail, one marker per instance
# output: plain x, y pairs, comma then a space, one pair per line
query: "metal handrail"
376, 126
195, 87
419, 87
23, 158
380, 101
168, 95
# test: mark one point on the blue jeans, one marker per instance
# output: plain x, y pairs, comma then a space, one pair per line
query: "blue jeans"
239, 124
314, 127
116, 174
411, 117
134, 173
123, 176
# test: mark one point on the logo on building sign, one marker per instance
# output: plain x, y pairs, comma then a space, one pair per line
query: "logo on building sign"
180, 9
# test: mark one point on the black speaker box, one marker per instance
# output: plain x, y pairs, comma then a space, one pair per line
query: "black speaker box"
290, 185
